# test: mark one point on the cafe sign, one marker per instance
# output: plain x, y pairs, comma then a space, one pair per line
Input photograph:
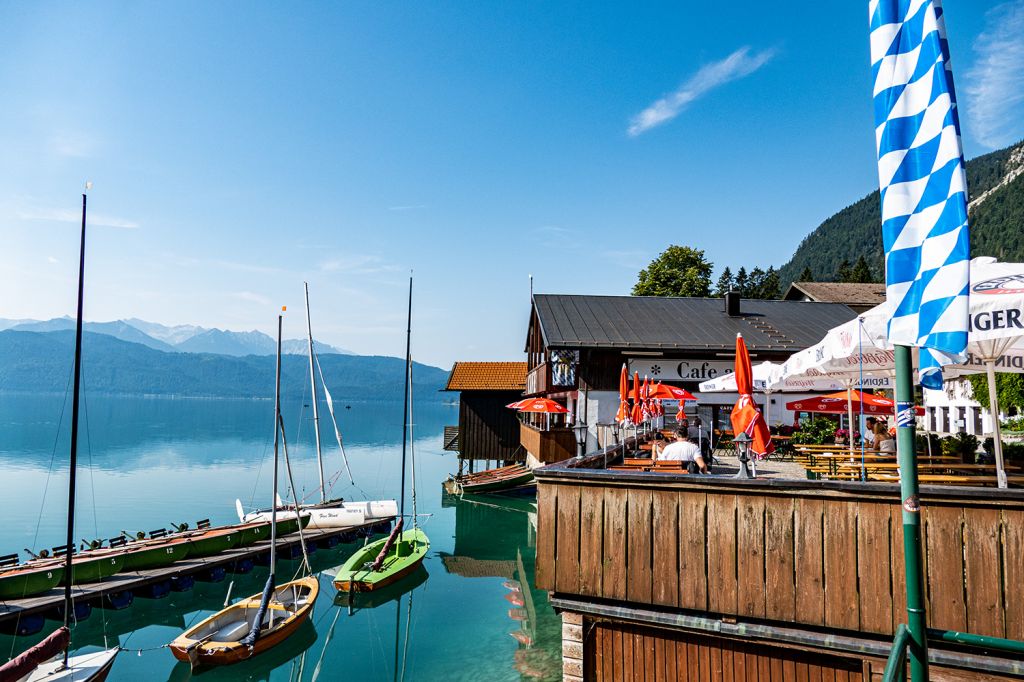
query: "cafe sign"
670, 371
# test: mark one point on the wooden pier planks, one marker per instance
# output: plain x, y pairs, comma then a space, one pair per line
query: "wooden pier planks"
135, 579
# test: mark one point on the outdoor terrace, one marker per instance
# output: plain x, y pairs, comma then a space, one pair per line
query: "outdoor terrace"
824, 557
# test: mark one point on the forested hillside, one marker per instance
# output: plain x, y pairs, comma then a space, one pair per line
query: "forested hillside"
41, 361
997, 222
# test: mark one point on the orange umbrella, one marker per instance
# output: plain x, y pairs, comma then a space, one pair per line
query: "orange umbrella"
646, 408
836, 403
517, 404
542, 405
746, 417
663, 392
637, 414
623, 413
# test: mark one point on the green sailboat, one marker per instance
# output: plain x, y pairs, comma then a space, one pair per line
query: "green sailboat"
390, 559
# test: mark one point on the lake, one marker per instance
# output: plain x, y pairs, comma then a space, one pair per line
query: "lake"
144, 463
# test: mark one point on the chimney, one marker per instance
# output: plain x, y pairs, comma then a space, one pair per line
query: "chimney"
732, 303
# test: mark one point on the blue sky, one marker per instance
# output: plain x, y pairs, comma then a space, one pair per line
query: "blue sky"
238, 150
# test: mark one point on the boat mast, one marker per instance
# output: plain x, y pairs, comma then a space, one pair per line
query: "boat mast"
316, 412
73, 460
405, 398
277, 440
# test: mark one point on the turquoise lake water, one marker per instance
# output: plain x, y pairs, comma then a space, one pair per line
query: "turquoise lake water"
144, 463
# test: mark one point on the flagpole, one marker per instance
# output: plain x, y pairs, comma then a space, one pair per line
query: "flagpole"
917, 621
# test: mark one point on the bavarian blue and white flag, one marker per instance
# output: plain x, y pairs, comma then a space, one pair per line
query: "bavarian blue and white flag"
922, 183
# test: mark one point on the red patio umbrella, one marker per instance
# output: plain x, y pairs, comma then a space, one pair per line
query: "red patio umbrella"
541, 405
646, 408
519, 403
746, 417
637, 414
623, 414
837, 403
664, 392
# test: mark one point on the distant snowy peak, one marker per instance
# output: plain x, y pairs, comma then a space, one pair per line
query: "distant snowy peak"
184, 338
172, 335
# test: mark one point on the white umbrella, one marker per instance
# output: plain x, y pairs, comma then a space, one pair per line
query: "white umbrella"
996, 338
848, 355
995, 341
768, 380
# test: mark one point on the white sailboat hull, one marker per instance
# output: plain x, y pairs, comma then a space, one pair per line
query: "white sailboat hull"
346, 515
374, 510
81, 668
319, 518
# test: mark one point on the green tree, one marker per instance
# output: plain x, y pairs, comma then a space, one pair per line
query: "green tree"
771, 285
725, 283
754, 282
807, 275
1009, 390
843, 273
678, 271
861, 272
740, 283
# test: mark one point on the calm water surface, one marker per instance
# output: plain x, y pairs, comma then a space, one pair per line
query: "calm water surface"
144, 463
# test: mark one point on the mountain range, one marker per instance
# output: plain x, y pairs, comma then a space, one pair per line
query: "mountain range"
996, 207
180, 338
41, 361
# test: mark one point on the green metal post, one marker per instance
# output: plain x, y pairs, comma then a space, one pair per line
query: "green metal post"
912, 564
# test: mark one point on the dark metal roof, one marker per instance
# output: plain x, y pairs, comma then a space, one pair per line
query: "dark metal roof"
659, 323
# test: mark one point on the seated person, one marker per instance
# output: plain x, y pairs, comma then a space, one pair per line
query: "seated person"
685, 450
884, 442
658, 445
869, 431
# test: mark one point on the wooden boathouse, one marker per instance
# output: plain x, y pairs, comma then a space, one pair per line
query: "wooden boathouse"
487, 430
663, 576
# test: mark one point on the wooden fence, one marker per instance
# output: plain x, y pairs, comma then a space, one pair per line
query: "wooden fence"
820, 554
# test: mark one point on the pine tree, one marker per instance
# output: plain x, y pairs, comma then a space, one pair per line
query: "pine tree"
807, 275
861, 272
844, 273
725, 283
740, 281
771, 286
754, 283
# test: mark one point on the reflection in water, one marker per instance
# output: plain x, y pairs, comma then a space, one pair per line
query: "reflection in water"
161, 460
495, 537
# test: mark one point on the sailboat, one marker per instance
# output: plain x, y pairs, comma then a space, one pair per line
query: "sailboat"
251, 626
390, 559
327, 513
49, 659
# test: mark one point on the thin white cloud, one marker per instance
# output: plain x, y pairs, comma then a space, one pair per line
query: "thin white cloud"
737, 65
251, 297
407, 207
358, 264
51, 259
995, 82
63, 215
73, 145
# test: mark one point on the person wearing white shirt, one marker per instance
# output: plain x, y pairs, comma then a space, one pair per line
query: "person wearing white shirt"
685, 450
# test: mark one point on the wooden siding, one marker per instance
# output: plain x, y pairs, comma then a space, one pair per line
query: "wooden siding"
553, 445
488, 429
822, 556
615, 651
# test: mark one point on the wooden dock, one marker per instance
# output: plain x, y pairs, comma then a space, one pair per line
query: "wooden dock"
134, 580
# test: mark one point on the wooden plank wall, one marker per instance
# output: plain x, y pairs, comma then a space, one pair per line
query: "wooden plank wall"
624, 652
488, 429
805, 556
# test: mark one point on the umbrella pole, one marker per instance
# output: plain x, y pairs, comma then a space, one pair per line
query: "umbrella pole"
993, 407
912, 565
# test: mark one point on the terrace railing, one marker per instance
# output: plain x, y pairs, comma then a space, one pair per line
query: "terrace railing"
822, 554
